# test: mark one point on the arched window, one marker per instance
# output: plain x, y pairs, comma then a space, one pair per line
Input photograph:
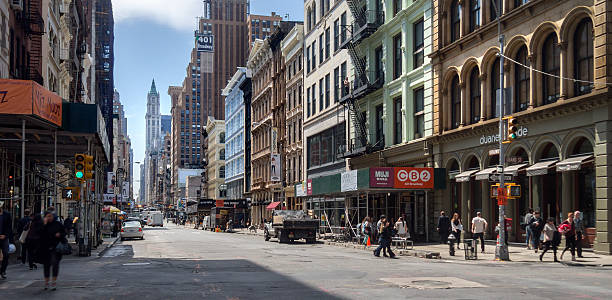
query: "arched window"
551, 64
474, 96
583, 57
455, 21
494, 103
474, 14
521, 80
455, 102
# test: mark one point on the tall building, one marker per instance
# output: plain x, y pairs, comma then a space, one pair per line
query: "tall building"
268, 121
166, 125
561, 155
326, 67
260, 26
234, 131
153, 140
292, 49
104, 60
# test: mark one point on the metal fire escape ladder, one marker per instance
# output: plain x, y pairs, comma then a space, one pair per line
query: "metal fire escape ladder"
358, 9
35, 29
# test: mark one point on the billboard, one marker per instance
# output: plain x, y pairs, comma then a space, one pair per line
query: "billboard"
413, 178
275, 167
110, 183
205, 43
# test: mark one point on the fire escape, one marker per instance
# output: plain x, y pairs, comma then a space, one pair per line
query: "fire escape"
365, 23
34, 26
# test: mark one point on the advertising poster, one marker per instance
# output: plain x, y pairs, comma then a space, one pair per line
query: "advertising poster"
275, 164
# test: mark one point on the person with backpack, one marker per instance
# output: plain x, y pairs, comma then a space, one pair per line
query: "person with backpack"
536, 224
569, 229
552, 238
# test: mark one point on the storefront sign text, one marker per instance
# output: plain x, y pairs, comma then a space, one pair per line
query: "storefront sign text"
494, 138
348, 181
381, 177
413, 178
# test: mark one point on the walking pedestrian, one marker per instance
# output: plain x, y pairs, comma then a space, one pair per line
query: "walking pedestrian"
384, 241
552, 238
527, 228
479, 227
536, 224
23, 225
569, 229
579, 227
52, 233
68, 225
401, 227
6, 238
444, 227
33, 240
366, 229
457, 227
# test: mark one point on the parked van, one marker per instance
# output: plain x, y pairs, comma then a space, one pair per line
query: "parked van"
155, 218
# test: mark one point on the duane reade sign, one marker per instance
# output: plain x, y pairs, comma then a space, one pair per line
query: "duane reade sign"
494, 138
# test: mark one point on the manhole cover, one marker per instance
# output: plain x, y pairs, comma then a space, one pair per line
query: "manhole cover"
433, 282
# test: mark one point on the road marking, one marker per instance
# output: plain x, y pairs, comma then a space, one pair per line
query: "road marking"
136, 264
5, 285
433, 282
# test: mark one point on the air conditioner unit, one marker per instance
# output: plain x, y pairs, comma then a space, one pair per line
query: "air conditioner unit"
17, 5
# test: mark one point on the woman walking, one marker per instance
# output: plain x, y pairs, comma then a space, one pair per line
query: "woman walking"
569, 229
52, 233
33, 239
552, 237
457, 227
401, 227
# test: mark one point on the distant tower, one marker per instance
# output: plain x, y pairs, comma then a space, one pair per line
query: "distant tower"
153, 117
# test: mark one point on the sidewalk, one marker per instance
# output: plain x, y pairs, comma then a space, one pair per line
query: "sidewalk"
107, 242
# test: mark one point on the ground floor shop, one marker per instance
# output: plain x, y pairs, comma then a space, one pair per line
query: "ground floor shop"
560, 165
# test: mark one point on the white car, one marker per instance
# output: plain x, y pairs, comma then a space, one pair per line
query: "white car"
132, 230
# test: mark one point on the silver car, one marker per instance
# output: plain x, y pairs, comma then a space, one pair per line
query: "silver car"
132, 230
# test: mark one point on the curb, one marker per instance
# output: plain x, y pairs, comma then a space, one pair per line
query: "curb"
111, 244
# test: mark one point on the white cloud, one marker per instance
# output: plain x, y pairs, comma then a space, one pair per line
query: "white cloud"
178, 14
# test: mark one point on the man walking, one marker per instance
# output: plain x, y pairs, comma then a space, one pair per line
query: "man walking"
23, 225
536, 224
444, 227
479, 226
6, 237
579, 227
528, 232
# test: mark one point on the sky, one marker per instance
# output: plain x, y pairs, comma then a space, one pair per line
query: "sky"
153, 39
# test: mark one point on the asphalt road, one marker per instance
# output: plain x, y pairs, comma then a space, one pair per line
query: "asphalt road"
177, 263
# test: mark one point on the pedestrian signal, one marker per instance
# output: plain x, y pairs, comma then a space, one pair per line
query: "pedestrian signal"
79, 166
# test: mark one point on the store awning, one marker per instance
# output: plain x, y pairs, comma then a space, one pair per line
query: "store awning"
540, 168
465, 176
484, 174
272, 205
514, 169
573, 163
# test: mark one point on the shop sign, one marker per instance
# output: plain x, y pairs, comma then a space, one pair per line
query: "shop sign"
25, 97
414, 178
300, 190
348, 181
308, 185
381, 177
514, 160
494, 138
108, 198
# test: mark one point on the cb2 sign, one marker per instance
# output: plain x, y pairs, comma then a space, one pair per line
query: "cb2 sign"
413, 178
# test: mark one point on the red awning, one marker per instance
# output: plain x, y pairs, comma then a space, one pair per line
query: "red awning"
272, 205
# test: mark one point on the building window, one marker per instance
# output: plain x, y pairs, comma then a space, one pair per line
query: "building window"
521, 78
474, 14
397, 7
419, 113
494, 87
321, 45
397, 56
222, 137
378, 64
327, 41
551, 64
455, 20
518, 3
397, 120
309, 19
307, 59
222, 172
327, 79
321, 94
474, 96
322, 147
314, 55
336, 84
379, 124
314, 98
343, 77
337, 35
343, 25
419, 43
222, 154
455, 102
583, 57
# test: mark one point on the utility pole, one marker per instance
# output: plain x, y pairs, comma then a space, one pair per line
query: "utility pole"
501, 250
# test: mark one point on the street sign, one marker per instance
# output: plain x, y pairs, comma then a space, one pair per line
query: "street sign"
496, 177
205, 43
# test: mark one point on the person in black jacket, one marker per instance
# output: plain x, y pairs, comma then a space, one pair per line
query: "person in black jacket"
52, 233
536, 224
444, 227
6, 238
33, 240
22, 225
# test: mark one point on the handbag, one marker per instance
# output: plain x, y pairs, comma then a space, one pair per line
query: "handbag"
63, 248
23, 236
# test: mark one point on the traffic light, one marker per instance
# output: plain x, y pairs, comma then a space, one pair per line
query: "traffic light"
89, 167
512, 128
79, 166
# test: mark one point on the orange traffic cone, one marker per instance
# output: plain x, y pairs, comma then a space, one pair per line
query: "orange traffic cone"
368, 243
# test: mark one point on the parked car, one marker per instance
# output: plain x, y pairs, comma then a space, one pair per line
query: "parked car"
131, 230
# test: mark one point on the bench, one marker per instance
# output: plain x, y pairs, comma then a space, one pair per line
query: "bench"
402, 242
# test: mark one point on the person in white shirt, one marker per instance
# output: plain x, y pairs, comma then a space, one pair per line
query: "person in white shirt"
479, 226
401, 227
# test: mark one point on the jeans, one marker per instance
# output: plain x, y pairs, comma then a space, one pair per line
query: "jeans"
52, 265
481, 237
385, 246
535, 238
4, 245
579, 243
528, 234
